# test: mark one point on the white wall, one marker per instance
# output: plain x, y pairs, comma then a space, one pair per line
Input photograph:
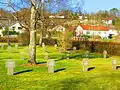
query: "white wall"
102, 34
17, 25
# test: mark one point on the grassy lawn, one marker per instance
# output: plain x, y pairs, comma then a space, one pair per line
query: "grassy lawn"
68, 72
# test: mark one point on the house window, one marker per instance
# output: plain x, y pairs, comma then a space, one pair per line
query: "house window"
104, 32
19, 27
93, 33
88, 32
13, 28
99, 32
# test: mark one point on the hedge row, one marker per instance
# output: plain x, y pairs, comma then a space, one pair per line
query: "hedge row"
11, 39
95, 46
49, 41
25, 40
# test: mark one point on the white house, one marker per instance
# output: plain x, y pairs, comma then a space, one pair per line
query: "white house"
58, 28
16, 27
60, 16
102, 31
1, 34
108, 21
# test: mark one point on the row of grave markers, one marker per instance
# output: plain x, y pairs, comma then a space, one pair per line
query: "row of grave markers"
60, 50
10, 65
85, 63
9, 48
51, 63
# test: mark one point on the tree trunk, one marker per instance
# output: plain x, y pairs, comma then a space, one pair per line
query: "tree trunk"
40, 40
32, 45
42, 24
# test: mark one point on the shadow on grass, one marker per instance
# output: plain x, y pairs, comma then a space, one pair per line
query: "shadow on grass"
61, 69
41, 62
15, 52
6, 58
59, 59
117, 67
76, 56
90, 68
83, 56
22, 72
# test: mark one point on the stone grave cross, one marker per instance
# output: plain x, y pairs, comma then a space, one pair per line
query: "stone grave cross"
46, 56
9, 49
10, 65
114, 64
105, 54
85, 65
74, 49
51, 64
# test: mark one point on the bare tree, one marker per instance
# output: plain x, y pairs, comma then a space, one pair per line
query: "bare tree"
32, 45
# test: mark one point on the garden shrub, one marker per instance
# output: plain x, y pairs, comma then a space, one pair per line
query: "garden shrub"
112, 48
49, 41
11, 39
24, 38
11, 32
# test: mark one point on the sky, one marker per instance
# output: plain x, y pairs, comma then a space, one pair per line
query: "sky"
96, 5
89, 5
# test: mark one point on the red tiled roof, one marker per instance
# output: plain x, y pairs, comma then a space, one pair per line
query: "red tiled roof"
96, 28
108, 18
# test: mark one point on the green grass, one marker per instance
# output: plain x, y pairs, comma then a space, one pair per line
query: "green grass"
68, 72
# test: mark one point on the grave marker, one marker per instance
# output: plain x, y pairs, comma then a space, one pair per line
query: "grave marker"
43, 47
85, 65
46, 56
10, 65
68, 54
2, 46
114, 64
51, 64
9, 49
22, 55
16, 46
105, 54
55, 46
60, 50
27, 50
74, 49
87, 54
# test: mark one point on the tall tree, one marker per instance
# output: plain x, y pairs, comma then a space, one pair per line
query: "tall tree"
114, 12
32, 45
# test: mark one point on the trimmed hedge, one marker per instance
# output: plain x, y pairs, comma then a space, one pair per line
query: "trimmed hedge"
49, 41
11, 39
25, 40
11, 32
96, 46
